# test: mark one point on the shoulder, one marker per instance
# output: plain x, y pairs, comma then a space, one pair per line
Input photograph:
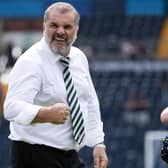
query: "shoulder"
31, 55
29, 62
79, 58
78, 54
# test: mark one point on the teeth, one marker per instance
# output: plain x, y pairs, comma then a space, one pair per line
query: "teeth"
59, 39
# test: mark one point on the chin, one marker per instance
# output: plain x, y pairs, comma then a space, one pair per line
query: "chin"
58, 51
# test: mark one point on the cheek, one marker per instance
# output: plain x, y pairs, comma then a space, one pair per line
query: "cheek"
49, 32
71, 36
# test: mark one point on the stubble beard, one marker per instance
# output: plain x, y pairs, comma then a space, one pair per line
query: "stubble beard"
64, 50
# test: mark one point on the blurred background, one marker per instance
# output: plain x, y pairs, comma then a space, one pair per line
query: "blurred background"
126, 42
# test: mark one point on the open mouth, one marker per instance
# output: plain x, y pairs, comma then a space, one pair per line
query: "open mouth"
59, 40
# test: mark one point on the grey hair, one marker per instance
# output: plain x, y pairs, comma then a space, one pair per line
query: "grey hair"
62, 7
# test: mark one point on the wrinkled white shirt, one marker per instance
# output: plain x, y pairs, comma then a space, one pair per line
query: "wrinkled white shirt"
36, 81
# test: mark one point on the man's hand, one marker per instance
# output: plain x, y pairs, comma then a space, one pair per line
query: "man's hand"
100, 157
57, 114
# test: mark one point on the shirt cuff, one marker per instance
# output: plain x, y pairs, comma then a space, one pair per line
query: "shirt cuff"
27, 117
102, 145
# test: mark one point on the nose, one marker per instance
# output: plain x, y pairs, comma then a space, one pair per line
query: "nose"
60, 30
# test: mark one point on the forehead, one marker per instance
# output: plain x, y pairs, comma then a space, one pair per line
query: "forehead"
56, 15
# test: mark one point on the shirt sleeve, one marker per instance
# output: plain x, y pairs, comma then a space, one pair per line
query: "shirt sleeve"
95, 125
24, 84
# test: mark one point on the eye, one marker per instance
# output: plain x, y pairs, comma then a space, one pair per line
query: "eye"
53, 25
67, 27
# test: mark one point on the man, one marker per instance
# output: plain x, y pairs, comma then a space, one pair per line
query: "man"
40, 101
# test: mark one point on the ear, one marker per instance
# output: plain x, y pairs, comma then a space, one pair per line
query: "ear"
77, 28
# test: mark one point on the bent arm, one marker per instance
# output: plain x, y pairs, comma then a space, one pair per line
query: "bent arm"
95, 125
24, 84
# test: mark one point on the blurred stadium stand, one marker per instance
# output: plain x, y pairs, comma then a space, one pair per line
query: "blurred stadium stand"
125, 128
126, 42
105, 34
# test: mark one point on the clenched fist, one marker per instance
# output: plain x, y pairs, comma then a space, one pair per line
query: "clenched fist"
57, 114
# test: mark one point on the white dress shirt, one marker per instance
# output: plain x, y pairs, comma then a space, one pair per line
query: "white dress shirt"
36, 81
